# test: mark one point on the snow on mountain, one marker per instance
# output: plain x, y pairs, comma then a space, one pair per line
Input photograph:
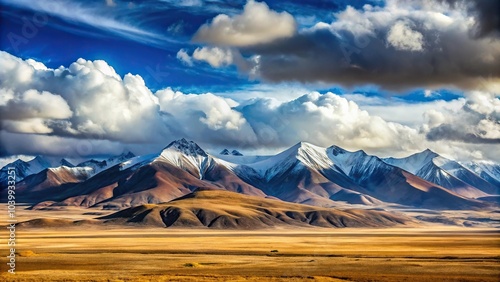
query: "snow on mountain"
138, 161
94, 164
300, 155
393, 184
81, 171
489, 171
240, 160
446, 173
414, 162
120, 158
186, 155
100, 165
50, 182
77, 172
304, 173
354, 163
26, 168
177, 170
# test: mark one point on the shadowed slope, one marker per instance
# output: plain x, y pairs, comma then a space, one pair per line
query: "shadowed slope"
227, 210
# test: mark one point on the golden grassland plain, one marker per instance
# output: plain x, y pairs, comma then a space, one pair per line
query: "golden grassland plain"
103, 253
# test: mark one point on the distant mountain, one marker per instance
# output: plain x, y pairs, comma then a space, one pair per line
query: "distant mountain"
50, 181
304, 173
40, 163
226, 152
446, 173
177, 170
100, 165
488, 171
26, 168
324, 176
298, 175
392, 184
44, 178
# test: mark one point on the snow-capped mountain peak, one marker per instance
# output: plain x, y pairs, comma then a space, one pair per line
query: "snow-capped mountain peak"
186, 147
336, 150
415, 162
313, 156
26, 168
346, 160
488, 170
302, 154
120, 158
446, 173
186, 155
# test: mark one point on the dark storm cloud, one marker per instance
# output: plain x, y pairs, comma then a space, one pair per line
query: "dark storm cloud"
446, 56
404, 44
324, 56
476, 122
454, 133
486, 13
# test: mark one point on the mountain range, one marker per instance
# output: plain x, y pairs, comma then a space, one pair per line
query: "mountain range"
303, 174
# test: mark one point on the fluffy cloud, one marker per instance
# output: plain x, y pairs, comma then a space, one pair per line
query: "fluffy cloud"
92, 101
256, 24
325, 120
184, 57
477, 121
205, 117
402, 37
215, 56
404, 44
32, 104
96, 111
400, 111
50, 145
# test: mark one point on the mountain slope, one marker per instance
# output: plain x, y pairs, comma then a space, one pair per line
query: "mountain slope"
446, 173
44, 178
26, 168
392, 184
486, 170
298, 175
48, 182
305, 174
100, 165
179, 169
226, 210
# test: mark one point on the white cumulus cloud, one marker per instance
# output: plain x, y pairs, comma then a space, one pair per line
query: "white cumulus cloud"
256, 24
215, 56
184, 57
88, 109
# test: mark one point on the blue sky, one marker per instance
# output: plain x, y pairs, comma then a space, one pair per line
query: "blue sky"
383, 76
171, 25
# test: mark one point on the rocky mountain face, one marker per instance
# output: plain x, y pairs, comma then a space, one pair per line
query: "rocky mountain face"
303, 174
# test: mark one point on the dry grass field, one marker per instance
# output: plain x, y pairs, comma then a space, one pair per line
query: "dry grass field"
107, 253
273, 255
